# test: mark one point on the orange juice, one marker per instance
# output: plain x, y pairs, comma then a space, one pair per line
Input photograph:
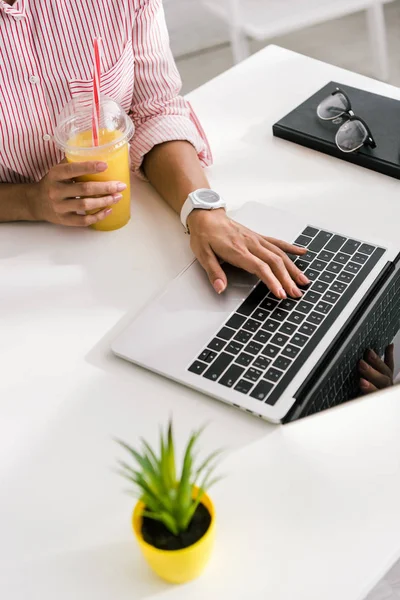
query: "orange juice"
117, 158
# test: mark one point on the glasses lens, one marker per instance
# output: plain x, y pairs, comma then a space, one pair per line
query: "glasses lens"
351, 136
333, 106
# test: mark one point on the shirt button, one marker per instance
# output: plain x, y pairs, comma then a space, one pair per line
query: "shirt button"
46, 137
18, 17
34, 79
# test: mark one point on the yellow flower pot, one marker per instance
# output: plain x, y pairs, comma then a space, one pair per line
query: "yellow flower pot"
177, 566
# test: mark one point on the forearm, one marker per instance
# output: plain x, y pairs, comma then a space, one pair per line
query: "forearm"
16, 202
174, 170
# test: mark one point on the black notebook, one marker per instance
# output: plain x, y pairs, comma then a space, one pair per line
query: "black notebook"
381, 114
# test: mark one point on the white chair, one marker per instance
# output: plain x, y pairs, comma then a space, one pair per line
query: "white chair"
263, 19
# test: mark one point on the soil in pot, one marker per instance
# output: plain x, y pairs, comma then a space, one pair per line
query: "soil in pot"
157, 535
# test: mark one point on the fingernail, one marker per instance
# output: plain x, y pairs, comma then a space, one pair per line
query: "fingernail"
108, 212
121, 187
363, 365
117, 198
304, 279
101, 166
363, 383
372, 354
282, 294
219, 286
297, 292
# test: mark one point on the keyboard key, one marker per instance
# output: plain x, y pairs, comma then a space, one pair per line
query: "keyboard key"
253, 300
234, 347
304, 307
308, 257
323, 307
243, 386
216, 344
261, 362
311, 274
342, 258
319, 287
236, 321
319, 241
338, 287
207, 356
302, 264
262, 390
271, 351
226, 333
282, 363
252, 374
327, 277
230, 377
353, 267
273, 374
197, 367
315, 318
261, 336
331, 297
334, 267
299, 340
287, 304
318, 265
335, 243
279, 339
307, 328
290, 351
325, 255
296, 317
310, 231
251, 325
279, 314
260, 314
350, 247
366, 249
287, 328
345, 277
244, 359
218, 366
312, 296
269, 303
360, 258
253, 348
302, 240
270, 325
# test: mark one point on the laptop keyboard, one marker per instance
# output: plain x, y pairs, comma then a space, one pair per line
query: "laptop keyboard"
262, 345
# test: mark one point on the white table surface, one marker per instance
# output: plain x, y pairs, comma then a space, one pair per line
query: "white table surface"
309, 510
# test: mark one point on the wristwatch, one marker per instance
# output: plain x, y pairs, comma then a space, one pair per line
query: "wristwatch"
203, 199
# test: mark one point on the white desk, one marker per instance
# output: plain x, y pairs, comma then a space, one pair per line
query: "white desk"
310, 510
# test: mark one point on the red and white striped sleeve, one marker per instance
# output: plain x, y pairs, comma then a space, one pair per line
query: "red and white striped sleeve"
159, 113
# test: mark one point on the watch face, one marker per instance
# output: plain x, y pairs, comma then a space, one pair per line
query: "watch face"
208, 196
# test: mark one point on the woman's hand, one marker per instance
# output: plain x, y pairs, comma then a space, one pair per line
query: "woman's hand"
214, 235
57, 198
376, 374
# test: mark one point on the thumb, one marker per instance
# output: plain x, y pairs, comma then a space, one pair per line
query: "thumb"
215, 273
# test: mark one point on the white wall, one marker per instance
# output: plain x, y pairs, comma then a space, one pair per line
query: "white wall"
191, 27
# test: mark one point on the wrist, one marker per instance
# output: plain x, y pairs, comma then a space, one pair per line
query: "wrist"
31, 194
199, 217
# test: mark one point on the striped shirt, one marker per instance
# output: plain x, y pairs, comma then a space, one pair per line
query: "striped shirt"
46, 58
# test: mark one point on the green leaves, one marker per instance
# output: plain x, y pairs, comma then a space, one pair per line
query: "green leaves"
169, 500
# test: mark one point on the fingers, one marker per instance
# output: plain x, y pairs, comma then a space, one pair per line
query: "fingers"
88, 204
294, 272
285, 246
263, 271
389, 357
72, 220
377, 363
366, 387
374, 376
66, 171
210, 264
279, 268
91, 188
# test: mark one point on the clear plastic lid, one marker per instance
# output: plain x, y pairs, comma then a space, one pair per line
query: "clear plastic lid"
76, 119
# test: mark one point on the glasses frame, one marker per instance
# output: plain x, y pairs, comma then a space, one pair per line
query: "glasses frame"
369, 141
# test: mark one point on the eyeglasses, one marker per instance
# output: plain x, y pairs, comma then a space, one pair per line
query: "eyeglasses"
354, 133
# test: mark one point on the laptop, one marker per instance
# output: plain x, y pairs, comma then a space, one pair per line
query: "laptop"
279, 360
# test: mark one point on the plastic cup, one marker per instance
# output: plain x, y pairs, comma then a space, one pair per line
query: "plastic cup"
73, 135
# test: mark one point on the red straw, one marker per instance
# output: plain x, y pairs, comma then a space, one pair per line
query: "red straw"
96, 92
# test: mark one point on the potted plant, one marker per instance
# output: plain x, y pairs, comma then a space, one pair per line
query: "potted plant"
174, 519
